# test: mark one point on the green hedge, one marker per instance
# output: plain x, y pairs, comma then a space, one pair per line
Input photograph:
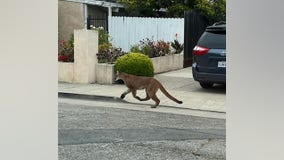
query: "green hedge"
136, 64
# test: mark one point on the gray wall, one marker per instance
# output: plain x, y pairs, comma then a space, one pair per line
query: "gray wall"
70, 17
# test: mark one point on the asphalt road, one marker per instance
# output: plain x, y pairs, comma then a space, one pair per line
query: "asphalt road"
101, 131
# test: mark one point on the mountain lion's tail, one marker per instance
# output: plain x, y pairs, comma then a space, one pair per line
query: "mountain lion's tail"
168, 95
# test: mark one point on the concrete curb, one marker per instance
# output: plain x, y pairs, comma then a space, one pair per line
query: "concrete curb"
117, 99
88, 97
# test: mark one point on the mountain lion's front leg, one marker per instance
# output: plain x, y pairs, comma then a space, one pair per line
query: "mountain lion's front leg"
125, 93
134, 95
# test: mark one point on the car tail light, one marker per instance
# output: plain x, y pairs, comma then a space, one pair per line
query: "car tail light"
198, 50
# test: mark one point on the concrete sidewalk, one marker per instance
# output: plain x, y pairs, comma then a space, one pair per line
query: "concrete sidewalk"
178, 83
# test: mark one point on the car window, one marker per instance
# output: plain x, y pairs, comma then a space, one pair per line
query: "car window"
213, 39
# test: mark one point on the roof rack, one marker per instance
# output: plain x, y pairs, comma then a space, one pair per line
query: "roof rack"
219, 23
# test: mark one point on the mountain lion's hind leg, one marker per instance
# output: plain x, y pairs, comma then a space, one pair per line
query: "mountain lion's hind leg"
155, 98
146, 98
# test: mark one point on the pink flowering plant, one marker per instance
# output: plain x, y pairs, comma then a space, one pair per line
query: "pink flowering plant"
66, 50
158, 48
152, 48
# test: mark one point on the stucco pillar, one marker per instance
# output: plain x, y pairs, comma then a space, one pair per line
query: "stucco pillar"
85, 49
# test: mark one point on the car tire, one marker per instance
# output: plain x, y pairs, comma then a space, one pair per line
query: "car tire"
206, 85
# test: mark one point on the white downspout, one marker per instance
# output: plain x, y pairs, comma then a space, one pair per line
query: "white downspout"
109, 17
85, 15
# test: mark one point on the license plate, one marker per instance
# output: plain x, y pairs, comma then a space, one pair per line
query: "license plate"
222, 64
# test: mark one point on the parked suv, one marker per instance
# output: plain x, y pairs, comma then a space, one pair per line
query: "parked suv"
209, 56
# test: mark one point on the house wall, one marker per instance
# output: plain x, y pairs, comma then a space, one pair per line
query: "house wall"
70, 17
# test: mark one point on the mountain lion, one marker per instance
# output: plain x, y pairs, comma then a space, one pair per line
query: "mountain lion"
151, 86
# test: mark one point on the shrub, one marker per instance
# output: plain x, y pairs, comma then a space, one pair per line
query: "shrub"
136, 64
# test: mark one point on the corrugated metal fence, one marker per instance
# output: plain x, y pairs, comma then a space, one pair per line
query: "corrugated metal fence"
127, 31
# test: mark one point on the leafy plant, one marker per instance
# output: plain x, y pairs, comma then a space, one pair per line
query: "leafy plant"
107, 53
177, 10
138, 7
103, 35
104, 47
177, 46
136, 64
66, 50
103, 38
152, 48
215, 10
110, 55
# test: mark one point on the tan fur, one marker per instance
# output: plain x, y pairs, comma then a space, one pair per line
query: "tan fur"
151, 86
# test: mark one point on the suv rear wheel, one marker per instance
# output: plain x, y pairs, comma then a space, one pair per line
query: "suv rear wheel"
206, 84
